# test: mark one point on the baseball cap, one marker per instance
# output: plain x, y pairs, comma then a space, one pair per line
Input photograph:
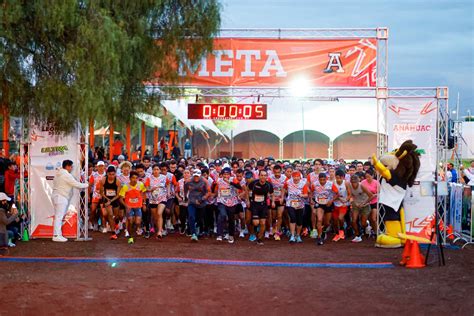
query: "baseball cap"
3, 196
197, 173
121, 157
101, 163
248, 175
226, 170
218, 162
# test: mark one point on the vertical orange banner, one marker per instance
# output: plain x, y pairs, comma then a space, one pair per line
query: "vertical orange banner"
143, 139
111, 141
155, 141
91, 134
6, 131
129, 141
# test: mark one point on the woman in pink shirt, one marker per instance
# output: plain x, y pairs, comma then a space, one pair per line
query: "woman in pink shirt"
373, 186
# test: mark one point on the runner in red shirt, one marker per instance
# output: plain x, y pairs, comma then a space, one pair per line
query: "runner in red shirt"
10, 177
132, 195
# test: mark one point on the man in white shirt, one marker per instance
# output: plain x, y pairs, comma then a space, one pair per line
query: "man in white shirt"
63, 184
468, 173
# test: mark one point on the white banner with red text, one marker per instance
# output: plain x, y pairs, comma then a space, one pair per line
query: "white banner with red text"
47, 151
415, 119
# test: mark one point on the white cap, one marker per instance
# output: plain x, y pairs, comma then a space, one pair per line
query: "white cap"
3, 196
121, 157
101, 163
197, 173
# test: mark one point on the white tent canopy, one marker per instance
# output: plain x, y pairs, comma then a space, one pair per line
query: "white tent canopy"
149, 120
285, 116
104, 131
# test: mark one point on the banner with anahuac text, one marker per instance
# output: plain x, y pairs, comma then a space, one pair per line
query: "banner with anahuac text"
415, 119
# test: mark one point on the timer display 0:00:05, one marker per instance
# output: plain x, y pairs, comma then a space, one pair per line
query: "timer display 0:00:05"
234, 111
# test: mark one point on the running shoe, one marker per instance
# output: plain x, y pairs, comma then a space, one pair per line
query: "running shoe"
194, 237
152, 230
127, 234
139, 232
117, 230
241, 235
165, 232
292, 239
11, 245
231, 240
314, 233
226, 237
357, 239
246, 231
342, 235
114, 237
319, 241
130, 241
368, 230
259, 242
219, 238
305, 232
336, 237
252, 238
324, 236
267, 235
298, 239
147, 235
277, 236
104, 230
159, 235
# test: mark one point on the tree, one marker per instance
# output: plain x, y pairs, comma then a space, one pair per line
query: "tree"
83, 59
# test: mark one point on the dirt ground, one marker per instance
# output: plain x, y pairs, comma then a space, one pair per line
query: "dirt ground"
197, 289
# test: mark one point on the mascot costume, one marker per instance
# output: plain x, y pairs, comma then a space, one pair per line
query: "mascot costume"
398, 170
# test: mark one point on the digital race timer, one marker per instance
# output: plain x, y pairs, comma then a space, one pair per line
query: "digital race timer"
210, 111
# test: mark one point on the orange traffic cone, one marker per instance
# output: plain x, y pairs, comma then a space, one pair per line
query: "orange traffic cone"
416, 259
406, 253
449, 232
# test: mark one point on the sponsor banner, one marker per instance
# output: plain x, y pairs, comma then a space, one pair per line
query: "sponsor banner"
419, 212
47, 151
467, 220
278, 62
415, 119
455, 206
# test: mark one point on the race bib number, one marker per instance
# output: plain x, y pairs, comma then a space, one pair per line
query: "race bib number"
296, 204
259, 198
277, 192
225, 193
322, 200
133, 200
155, 194
110, 193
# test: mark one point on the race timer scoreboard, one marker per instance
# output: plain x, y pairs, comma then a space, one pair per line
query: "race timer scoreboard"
212, 111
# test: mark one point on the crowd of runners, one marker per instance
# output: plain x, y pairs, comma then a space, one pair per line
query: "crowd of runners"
225, 199
234, 199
